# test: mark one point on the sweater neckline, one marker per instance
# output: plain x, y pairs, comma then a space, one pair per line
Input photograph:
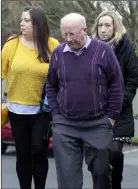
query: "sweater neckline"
26, 47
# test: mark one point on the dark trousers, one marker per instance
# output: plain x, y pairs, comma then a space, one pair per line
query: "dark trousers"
30, 133
72, 140
117, 164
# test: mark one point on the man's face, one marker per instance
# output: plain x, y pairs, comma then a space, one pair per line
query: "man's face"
74, 35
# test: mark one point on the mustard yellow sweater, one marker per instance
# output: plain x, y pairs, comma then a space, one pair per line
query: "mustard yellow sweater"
27, 75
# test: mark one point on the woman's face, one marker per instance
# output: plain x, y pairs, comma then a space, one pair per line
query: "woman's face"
26, 25
105, 28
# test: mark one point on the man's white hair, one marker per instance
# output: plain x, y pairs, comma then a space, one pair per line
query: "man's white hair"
75, 18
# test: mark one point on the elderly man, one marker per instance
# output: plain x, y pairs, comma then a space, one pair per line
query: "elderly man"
84, 91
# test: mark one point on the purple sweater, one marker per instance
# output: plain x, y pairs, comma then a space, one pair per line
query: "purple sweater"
85, 86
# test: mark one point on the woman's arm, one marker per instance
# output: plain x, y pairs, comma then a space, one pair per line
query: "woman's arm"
131, 74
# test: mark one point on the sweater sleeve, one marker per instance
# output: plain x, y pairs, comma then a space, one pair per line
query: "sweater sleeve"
53, 43
8, 53
131, 74
52, 85
56, 43
5, 59
115, 85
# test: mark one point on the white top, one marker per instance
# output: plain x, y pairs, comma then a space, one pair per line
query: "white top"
24, 109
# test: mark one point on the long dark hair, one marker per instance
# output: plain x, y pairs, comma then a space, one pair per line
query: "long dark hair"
41, 32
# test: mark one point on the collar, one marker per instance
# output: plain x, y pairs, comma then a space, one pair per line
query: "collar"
67, 48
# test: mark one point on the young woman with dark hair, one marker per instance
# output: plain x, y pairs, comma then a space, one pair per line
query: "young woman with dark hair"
25, 63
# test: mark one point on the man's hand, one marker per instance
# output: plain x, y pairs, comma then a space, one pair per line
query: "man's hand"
112, 121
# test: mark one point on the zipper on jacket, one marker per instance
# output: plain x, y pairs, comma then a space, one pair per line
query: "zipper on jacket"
93, 74
100, 72
101, 105
100, 89
64, 80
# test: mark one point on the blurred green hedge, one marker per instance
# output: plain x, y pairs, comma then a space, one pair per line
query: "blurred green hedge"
136, 52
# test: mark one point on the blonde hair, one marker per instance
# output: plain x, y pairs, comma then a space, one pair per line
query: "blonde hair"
74, 17
119, 29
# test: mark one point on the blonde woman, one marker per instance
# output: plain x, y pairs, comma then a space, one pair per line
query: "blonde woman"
27, 55
109, 28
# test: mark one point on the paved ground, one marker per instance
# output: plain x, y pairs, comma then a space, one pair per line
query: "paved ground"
9, 179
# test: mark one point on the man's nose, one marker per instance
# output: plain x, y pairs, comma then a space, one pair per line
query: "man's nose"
68, 38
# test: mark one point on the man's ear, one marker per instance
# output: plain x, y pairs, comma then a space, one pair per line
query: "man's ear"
85, 30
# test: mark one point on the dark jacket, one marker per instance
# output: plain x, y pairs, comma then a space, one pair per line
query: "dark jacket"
129, 65
85, 86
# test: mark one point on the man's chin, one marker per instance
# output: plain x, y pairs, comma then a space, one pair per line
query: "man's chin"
73, 46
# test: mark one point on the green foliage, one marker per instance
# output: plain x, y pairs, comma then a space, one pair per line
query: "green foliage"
135, 140
128, 11
136, 52
136, 116
56, 9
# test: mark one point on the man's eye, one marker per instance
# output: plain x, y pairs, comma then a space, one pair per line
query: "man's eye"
71, 34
